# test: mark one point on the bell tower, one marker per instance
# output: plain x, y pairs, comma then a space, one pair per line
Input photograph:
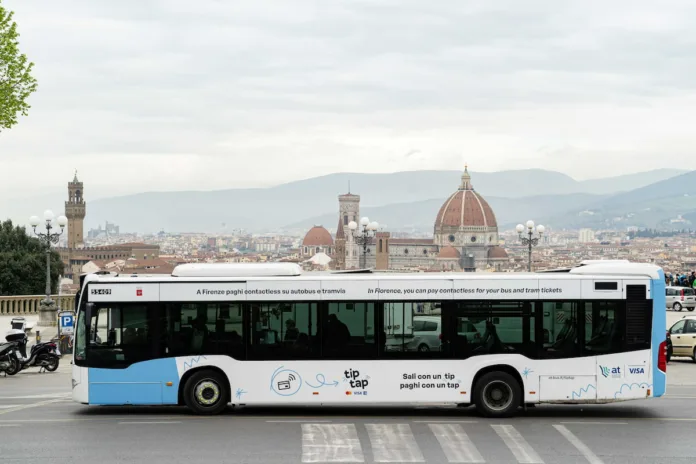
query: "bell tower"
75, 211
349, 210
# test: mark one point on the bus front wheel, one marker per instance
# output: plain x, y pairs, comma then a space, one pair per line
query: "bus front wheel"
497, 394
206, 393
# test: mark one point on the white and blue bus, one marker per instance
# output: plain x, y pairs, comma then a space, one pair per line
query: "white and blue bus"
211, 335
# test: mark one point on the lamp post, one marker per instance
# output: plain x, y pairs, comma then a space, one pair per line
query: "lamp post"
362, 235
47, 307
530, 241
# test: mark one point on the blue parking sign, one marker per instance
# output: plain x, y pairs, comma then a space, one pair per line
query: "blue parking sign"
66, 322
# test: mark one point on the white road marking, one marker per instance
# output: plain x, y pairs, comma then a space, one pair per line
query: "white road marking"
36, 397
456, 444
110, 419
298, 421
445, 422
575, 441
10, 425
27, 406
523, 452
150, 422
331, 443
393, 443
8, 406
594, 423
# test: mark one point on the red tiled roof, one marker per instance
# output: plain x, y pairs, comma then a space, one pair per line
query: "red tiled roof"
466, 208
318, 236
497, 252
449, 252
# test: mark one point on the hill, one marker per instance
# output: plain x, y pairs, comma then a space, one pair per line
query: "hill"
420, 215
513, 194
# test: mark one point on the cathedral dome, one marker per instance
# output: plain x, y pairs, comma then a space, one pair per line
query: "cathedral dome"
318, 236
465, 208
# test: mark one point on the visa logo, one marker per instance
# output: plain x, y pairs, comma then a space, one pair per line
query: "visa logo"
636, 370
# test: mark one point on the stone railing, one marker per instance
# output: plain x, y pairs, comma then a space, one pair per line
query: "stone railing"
21, 305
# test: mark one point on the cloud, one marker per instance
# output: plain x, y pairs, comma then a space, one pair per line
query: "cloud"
169, 94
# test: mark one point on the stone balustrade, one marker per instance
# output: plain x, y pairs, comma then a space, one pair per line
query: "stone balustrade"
21, 305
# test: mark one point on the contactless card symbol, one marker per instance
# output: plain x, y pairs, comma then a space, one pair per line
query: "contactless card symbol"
285, 382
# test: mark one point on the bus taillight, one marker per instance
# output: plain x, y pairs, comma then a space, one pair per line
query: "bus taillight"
662, 357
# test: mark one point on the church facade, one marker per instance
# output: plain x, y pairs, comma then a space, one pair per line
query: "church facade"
465, 238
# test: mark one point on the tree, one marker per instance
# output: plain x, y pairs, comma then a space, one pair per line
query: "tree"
23, 263
16, 81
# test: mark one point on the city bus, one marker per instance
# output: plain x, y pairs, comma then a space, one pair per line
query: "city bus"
212, 335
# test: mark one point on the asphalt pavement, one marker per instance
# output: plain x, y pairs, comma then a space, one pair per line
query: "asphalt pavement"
40, 423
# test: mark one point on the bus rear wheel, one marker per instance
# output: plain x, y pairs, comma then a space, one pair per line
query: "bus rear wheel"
205, 393
497, 394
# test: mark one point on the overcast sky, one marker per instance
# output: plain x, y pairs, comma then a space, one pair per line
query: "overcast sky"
144, 95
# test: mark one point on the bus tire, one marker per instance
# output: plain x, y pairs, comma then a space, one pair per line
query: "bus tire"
497, 394
205, 392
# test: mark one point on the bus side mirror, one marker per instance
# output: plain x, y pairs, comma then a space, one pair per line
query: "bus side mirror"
89, 312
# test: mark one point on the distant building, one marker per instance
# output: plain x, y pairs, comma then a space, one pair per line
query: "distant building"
317, 240
586, 236
108, 230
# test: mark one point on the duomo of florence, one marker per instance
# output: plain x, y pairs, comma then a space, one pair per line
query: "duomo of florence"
465, 238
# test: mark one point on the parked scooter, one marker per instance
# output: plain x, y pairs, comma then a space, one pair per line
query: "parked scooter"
9, 364
45, 355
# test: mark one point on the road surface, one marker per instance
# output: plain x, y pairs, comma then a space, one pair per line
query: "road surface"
39, 423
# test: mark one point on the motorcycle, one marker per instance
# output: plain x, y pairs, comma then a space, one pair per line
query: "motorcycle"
9, 364
45, 355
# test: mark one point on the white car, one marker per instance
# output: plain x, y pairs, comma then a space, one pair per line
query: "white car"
680, 297
427, 332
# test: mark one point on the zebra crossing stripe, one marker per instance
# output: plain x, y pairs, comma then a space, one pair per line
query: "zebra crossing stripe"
575, 441
455, 443
331, 443
393, 443
322, 442
522, 451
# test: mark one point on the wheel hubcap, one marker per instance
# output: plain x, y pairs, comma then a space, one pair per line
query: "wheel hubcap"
207, 393
497, 395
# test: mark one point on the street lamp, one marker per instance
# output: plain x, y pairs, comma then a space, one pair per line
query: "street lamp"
530, 241
363, 234
48, 306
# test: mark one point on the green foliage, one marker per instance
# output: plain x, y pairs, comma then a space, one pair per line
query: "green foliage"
23, 263
16, 81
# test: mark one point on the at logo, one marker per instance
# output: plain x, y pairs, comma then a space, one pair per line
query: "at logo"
615, 372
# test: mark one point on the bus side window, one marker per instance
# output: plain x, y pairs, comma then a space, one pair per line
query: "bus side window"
561, 322
602, 333
349, 331
283, 331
